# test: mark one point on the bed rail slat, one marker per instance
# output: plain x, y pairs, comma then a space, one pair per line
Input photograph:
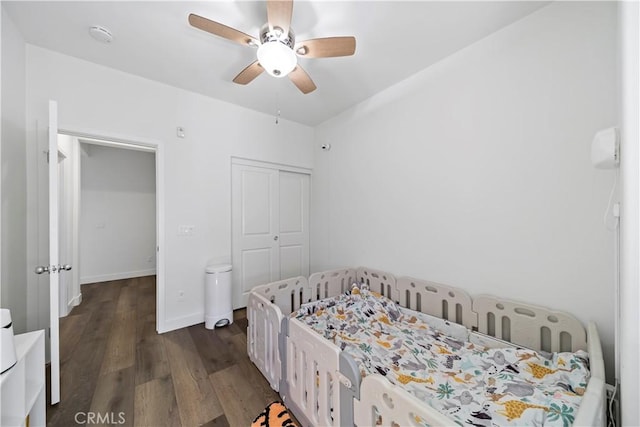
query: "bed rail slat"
434, 297
287, 294
379, 281
263, 332
530, 324
384, 404
327, 284
312, 384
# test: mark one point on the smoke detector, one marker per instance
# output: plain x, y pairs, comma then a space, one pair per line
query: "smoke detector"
101, 34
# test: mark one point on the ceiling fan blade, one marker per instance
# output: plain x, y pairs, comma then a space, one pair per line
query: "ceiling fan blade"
279, 14
247, 75
221, 30
326, 47
301, 79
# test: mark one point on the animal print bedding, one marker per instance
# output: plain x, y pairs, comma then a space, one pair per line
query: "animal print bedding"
470, 384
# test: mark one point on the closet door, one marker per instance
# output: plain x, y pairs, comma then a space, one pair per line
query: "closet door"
270, 226
294, 224
255, 223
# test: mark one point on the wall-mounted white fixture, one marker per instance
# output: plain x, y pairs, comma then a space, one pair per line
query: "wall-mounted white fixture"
605, 149
101, 34
180, 132
326, 147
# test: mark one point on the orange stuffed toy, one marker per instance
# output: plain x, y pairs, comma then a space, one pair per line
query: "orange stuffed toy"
274, 415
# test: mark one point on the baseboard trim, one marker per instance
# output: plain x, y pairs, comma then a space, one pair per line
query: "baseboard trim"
116, 276
181, 322
77, 300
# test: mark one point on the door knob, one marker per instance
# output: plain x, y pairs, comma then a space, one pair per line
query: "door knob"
275, 237
41, 269
45, 269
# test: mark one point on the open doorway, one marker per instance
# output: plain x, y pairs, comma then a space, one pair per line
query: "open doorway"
108, 215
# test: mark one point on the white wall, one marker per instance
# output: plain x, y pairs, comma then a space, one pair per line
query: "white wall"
117, 214
476, 172
197, 172
14, 225
1, 115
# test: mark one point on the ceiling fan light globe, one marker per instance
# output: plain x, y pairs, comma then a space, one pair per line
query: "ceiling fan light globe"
276, 58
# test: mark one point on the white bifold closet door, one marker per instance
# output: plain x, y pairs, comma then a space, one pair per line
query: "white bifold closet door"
270, 226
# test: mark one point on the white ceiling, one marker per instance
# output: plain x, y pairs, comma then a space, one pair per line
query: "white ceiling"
154, 40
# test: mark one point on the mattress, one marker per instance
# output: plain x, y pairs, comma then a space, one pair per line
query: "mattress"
470, 384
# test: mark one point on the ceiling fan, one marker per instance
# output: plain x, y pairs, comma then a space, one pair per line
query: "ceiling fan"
278, 51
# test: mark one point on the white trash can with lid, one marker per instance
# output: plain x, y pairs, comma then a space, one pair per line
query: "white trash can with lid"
218, 309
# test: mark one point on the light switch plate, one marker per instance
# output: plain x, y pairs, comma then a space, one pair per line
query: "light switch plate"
186, 230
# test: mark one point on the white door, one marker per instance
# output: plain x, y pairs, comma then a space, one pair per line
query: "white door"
294, 224
270, 227
54, 268
54, 261
255, 229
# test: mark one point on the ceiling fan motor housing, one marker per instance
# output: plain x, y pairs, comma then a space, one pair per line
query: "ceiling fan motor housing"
276, 34
275, 52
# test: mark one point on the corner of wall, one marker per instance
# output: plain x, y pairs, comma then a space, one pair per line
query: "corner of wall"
13, 189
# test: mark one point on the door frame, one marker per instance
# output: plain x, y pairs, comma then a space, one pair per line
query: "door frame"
63, 160
120, 141
270, 165
241, 161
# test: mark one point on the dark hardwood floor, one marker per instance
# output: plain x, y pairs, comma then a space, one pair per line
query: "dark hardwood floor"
116, 370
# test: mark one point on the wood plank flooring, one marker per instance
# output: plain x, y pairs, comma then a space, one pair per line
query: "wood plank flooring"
115, 365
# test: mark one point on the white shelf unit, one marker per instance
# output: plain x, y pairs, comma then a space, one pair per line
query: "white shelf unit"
22, 388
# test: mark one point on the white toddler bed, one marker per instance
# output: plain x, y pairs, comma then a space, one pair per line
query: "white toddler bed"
322, 385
